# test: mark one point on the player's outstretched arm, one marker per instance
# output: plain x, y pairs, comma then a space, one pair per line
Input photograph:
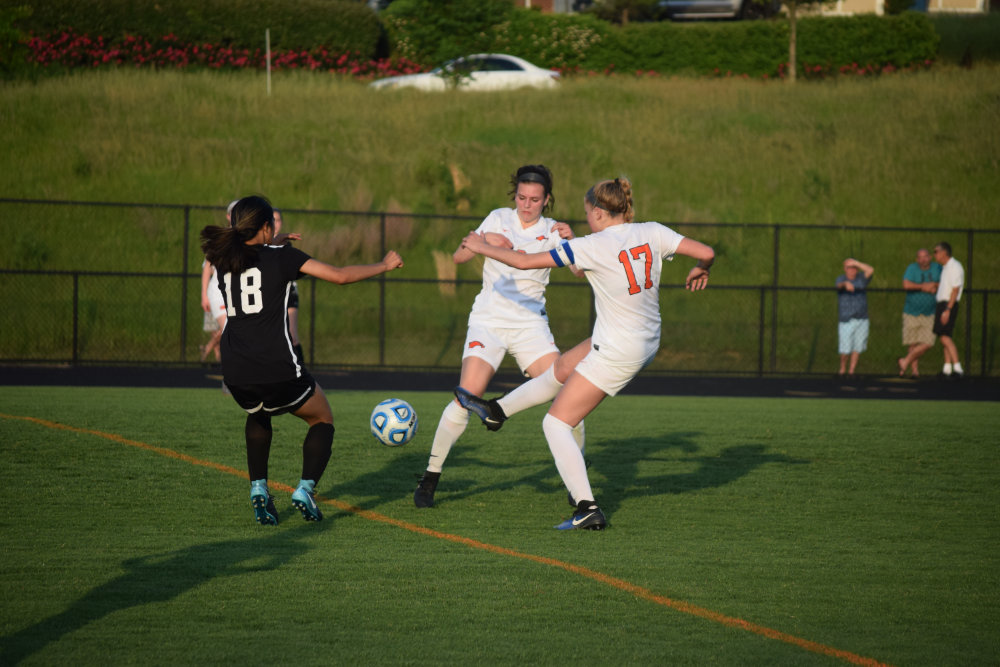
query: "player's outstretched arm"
283, 238
462, 255
697, 278
537, 260
342, 275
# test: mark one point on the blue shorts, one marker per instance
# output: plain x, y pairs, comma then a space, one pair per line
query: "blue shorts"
852, 336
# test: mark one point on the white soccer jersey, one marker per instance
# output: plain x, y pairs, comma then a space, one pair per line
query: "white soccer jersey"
623, 263
512, 298
214, 295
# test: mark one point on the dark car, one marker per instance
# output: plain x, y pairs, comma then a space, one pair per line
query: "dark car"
720, 9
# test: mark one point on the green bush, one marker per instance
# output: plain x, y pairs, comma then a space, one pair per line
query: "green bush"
347, 26
13, 51
761, 47
867, 40
432, 31
425, 31
698, 48
968, 38
550, 40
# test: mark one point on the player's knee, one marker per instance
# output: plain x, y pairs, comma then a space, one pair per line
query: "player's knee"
323, 432
456, 414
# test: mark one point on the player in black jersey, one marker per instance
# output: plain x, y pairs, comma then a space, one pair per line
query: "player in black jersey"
259, 363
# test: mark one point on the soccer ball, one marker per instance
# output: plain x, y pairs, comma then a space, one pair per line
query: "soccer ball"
394, 422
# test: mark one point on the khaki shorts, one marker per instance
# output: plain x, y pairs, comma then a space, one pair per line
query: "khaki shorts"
918, 329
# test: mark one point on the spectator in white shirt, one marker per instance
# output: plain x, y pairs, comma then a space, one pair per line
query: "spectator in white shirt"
949, 293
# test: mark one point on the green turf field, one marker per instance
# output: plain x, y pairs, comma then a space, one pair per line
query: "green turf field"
742, 531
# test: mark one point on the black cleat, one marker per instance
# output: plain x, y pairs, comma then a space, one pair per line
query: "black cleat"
588, 515
424, 495
489, 412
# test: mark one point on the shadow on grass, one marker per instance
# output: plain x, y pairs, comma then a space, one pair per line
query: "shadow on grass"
624, 466
160, 578
398, 478
619, 462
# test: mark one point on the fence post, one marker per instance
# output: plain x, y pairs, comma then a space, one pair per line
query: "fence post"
185, 263
76, 317
774, 300
312, 321
381, 298
760, 332
968, 311
982, 349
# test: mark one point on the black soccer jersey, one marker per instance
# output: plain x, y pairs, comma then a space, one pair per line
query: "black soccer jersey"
256, 346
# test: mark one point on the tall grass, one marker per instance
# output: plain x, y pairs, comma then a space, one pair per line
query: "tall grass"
917, 149
913, 150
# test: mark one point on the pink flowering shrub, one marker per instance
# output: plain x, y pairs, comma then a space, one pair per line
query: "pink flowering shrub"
69, 50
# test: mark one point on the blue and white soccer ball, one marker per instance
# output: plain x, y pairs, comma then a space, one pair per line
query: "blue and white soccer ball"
394, 422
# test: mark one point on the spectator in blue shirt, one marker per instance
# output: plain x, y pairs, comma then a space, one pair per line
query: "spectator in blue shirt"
852, 311
920, 280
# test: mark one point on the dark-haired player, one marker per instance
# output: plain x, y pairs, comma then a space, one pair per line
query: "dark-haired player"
259, 363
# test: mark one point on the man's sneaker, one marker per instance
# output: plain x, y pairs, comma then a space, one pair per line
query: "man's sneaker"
489, 412
263, 508
588, 515
304, 501
424, 495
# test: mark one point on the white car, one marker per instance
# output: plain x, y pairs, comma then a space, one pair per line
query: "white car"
482, 71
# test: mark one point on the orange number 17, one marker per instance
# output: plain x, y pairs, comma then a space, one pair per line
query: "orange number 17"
637, 252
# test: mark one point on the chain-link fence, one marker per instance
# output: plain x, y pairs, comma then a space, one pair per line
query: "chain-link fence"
120, 283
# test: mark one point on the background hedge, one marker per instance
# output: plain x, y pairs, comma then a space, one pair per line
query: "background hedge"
423, 31
761, 47
347, 26
431, 31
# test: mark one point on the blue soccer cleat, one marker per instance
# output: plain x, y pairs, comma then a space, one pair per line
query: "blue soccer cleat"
587, 515
489, 412
263, 506
305, 501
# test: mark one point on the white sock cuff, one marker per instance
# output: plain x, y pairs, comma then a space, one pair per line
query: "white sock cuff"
550, 422
455, 413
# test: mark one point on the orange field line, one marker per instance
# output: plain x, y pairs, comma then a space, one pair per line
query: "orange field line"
614, 582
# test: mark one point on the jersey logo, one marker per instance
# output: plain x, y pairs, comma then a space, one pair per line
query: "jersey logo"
541, 238
476, 343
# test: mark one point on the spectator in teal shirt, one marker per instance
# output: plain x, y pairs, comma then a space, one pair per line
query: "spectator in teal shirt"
920, 280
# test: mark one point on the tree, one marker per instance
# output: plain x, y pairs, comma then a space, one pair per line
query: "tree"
432, 31
793, 9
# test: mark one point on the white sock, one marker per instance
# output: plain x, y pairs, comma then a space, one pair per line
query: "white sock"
452, 424
569, 459
580, 436
536, 391
947, 369
957, 367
